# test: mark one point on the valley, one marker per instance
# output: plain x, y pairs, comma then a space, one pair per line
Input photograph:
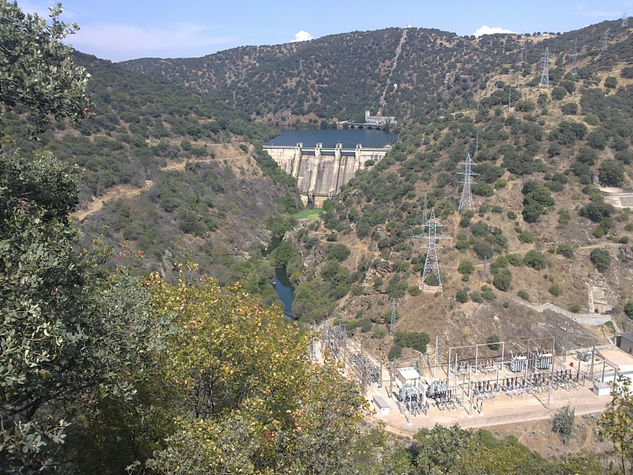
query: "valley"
220, 264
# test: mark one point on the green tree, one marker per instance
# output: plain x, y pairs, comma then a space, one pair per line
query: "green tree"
611, 173
36, 68
535, 260
601, 259
628, 309
616, 423
563, 423
503, 280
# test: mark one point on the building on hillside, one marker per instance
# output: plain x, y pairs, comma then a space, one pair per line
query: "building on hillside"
379, 119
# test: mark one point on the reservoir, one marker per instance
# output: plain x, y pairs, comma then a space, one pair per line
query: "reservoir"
349, 138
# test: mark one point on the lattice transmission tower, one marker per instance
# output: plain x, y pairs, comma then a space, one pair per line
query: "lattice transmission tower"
545, 74
605, 40
431, 263
466, 200
625, 21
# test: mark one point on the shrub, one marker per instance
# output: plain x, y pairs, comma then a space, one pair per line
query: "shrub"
555, 290
466, 267
483, 250
526, 237
476, 297
462, 295
601, 259
414, 340
610, 82
628, 309
611, 173
596, 211
535, 260
414, 291
493, 342
483, 189
524, 295
570, 108
563, 422
511, 215
565, 250
395, 352
503, 280
379, 332
487, 293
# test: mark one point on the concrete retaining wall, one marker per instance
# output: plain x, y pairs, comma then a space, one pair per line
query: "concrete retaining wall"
591, 319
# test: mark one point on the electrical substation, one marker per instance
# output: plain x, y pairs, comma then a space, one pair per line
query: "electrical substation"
471, 380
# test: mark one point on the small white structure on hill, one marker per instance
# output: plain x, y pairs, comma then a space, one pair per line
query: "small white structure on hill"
379, 119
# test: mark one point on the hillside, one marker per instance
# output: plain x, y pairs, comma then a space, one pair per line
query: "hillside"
340, 76
173, 175
540, 220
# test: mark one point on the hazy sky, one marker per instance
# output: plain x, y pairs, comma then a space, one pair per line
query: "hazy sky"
119, 30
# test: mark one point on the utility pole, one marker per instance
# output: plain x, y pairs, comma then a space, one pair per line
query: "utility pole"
545, 74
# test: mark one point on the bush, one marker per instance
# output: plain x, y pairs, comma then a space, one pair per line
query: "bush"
596, 211
462, 295
574, 308
483, 189
524, 295
339, 252
379, 332
493, 342
563, 422
565, 250
526, 237
415, 340
610, 82
535, 260
503, 280
611, 173
483, 250
601, 259
555, 290
414, 291
395, 352
487, 293
466, 267
628, 309
571, 108
476, 297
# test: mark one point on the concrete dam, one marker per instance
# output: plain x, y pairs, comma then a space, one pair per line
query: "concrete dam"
321, 172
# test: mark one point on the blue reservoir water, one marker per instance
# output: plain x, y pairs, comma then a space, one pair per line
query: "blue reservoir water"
329, 138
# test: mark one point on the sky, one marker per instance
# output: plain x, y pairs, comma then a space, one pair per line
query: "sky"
127, 29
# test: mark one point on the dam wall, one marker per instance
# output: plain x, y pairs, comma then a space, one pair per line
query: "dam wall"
321, 172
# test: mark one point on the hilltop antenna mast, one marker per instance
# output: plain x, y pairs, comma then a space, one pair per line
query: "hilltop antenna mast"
431, 263
392, 326
466, 200
605, 40
625, 21
545, 75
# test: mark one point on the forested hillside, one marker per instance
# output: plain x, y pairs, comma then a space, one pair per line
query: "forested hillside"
174, 174
341, 76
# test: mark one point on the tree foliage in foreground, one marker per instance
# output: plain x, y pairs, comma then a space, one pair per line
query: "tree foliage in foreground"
36, 68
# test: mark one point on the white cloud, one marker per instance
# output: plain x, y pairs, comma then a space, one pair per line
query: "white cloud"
302, 36
490, 30
118, 41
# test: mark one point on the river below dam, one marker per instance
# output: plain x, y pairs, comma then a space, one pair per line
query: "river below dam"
349, 138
